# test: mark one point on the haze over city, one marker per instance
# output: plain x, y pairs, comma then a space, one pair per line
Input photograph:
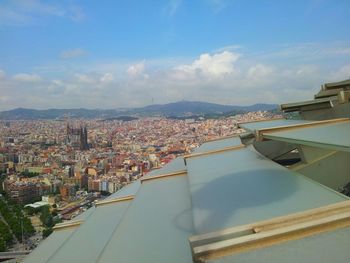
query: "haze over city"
111, 54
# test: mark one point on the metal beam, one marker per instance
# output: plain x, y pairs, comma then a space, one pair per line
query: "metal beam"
148, 178
116, 200
225, 149
269, 232
260, 133
73, 223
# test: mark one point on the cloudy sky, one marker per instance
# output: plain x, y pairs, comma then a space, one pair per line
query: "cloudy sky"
127, 53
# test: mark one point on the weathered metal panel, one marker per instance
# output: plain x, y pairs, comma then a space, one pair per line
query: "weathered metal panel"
331, 136
253, 126
322, 248
175, 165
90, 236
218, 144
156, 226
329, 168
239, 187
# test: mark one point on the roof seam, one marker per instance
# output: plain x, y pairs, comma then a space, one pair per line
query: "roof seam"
115, 229
68, 224
225, 149
68, 238
121, 199
154, 177
260, 133
272, 231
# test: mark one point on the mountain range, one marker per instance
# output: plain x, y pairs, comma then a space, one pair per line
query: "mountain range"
181, 108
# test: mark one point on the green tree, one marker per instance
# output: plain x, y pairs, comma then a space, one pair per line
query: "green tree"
46, 217
2, 245
47, 232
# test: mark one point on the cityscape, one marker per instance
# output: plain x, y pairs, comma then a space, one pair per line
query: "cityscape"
203, 131
63, 167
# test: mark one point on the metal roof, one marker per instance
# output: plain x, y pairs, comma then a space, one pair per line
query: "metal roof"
241, 186
344, 83
175, 165
93, 235
218, 144
322, 248
156, 226
334, 136
56, 242
253, 126
222, 185
319, 103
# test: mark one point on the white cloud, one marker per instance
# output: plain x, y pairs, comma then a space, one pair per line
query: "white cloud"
77, 14
259, 71
216, 65
2, 74
226, 77
26, 12
137, 70
24, 77
342, 73
73, 53
84, 78
172, 7
228, 48
107, 78
10, 17
308, 51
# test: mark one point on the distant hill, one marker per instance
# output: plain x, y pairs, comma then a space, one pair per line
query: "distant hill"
32, 114
185, 107
182, 108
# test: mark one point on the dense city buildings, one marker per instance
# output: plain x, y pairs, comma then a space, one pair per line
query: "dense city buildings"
41, 157
68, 165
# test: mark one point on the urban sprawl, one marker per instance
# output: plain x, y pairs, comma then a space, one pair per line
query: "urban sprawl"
53, 170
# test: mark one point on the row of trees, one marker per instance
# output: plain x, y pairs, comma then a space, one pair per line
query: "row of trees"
48, 218
18, 222
29, 174
5, 236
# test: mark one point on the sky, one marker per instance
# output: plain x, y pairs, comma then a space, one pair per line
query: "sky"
115, 53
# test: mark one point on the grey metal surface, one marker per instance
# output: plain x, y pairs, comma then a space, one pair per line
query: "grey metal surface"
302, 105
338, 84
330, 168
49, 246
338, 111
92, 236
55, 241
156, 225
218, 144
253, 126
239, 187
175, 165
62, 244
273, 149
322, 248
329, 136
130, 189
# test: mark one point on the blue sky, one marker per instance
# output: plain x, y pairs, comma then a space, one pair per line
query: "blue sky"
109, 54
